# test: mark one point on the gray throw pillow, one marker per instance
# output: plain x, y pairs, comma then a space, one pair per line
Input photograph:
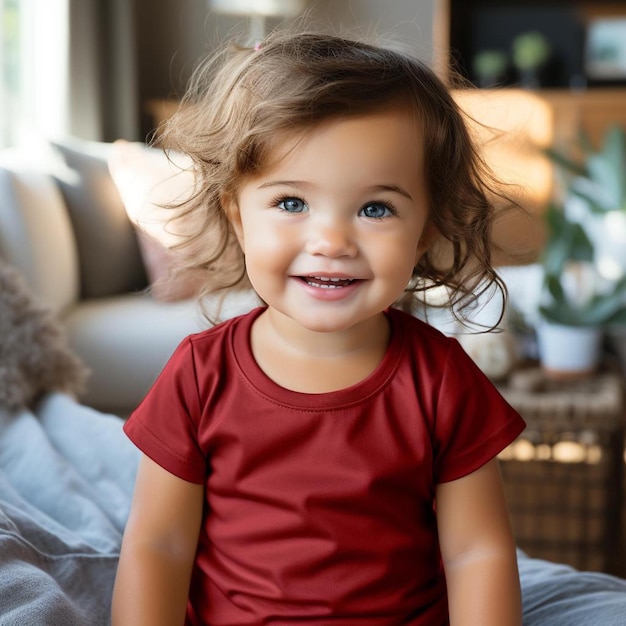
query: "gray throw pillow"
110, 260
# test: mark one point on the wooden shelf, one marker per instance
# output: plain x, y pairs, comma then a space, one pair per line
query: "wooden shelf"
514, 124
464, 27
593, 110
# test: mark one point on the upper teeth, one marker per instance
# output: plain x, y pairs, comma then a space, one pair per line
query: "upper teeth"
330, 283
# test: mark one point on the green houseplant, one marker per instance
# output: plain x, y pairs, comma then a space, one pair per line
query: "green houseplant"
576, 296
530, 53
598, 177
490, 67
584, 261
577, 305
595, 199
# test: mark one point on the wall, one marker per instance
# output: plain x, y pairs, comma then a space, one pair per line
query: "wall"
407, 22
173, 36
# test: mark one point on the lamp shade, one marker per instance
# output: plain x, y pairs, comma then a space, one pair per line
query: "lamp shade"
266, 8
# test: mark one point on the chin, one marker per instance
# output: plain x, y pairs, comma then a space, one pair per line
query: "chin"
322, 325
329, 322
314, 320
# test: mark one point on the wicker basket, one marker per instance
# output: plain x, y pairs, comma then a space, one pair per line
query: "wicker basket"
564, 475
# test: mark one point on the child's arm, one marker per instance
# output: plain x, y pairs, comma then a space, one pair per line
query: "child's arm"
478, 550
158, 549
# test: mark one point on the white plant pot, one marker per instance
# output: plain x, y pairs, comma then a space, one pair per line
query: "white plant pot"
568, 351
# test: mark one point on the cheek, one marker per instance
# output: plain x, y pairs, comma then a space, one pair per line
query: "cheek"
401, 261
412, 247
395, 264
247, 231
257, 239
266, 248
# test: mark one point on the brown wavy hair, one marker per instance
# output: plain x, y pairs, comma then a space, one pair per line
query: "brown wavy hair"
240, 99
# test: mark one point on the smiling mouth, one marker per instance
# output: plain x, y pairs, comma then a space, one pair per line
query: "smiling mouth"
325, 282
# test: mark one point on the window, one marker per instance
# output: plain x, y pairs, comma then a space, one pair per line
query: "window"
33, 66
10, 68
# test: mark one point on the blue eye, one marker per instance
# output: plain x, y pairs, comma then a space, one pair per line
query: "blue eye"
291, 205
376, 210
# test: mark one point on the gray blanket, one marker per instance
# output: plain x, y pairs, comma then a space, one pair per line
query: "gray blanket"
66, 481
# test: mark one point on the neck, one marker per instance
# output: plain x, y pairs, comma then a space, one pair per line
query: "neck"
317, 362
369, 334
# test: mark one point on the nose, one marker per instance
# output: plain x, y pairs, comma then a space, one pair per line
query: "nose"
331, 237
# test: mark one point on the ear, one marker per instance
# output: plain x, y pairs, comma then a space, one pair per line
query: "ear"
231, 208
429, 234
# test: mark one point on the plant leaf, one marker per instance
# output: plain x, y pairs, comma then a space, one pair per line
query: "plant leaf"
565, 162
618, 318
607, 174
567, 241
585, 141
592, 201
615, 152
601, 309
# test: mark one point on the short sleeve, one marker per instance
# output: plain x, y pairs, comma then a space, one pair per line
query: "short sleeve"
165, 424
473, 422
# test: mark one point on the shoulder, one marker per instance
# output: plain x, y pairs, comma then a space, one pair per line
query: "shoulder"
419, 335
414, 324
222, 334
210, 350
224, 328
438, 357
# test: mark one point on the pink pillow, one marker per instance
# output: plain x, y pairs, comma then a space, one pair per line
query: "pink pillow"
147, 181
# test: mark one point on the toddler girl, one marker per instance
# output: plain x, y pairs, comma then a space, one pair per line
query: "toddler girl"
325, 458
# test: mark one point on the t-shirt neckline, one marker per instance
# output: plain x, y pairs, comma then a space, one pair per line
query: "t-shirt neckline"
355, 394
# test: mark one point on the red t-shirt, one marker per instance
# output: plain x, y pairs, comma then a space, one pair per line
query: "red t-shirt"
320, 507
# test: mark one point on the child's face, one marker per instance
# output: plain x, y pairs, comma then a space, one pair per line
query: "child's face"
331, 229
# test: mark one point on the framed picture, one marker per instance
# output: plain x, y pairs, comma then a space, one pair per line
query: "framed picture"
605, 49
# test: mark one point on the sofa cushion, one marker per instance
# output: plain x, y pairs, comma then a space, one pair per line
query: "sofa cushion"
126, 340
110, 260
36, 234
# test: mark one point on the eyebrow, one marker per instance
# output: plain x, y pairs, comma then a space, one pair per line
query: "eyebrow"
394, 188
280, 183
297, 183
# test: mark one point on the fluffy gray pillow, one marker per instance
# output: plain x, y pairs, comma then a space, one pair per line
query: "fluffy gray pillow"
34, 358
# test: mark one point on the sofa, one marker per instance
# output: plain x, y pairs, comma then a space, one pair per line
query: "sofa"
65, 224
